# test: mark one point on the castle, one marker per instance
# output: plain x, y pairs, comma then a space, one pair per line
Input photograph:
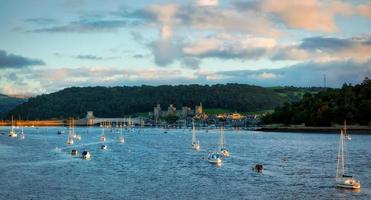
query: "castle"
172, 111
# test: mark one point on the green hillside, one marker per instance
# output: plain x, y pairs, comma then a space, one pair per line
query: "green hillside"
7, 103
332, 106
119, 101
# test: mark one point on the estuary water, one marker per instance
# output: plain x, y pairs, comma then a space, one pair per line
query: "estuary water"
152, 164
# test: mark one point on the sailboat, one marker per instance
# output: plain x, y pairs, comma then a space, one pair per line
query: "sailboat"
121, 137
21, 135
70, 133
195, 143
103, 137
343, 180
223, 150
12, 132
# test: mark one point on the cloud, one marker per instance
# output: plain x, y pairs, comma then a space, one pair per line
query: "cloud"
89, 57
303, 74
41, 21
15, 61
207, 2
312, 15
87, 26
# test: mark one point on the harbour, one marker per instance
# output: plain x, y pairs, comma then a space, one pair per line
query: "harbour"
157, 165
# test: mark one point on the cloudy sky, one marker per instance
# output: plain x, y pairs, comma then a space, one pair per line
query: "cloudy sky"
46, 46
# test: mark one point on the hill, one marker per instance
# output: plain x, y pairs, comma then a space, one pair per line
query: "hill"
7, 103
119, 101
333, 106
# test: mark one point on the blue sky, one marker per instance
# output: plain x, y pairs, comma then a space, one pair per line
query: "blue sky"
46, 46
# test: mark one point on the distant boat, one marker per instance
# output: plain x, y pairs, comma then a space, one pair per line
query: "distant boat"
22, 135
121, 137
103, 147
195, 143
215, 158
342, 179
71, 133
12, 132
223, 150
103, 136
86, 155
74, 152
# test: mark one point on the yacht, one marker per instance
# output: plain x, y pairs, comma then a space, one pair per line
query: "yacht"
223, 150
195, 143
86, 155
215, 158
342, 179
12, 132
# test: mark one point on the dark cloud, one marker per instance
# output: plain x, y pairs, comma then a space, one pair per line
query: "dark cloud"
91, 25
41, 21
16, 61
304, 74
191, 62
89, 57
324, 43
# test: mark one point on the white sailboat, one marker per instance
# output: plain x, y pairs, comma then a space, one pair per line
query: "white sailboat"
103, 136
195, 143
342, 179
12, 132
70, 134
223, 150
22, 135
121, 137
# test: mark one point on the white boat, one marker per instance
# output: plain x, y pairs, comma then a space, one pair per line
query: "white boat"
12, 132
103, 147
342, 179
121, 137
223, 150
71, 133
195, 143
22, 135
103, 136
70, 140
86, 155
215, 158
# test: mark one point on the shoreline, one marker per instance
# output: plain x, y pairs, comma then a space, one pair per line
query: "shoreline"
352, 129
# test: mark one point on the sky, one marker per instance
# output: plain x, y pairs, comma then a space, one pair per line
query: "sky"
46, 46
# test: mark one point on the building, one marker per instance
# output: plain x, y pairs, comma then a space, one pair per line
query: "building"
183, 113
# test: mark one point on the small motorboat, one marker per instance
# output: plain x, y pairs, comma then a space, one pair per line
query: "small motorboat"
86, 155
215, 158
74, 152
103, 147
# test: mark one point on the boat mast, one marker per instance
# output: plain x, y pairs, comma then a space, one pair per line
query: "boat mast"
193, 132
222, 136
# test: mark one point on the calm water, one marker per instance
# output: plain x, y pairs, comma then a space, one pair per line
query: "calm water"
155, 165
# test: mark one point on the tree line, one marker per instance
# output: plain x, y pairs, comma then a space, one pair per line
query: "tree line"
326, 108
125, 100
